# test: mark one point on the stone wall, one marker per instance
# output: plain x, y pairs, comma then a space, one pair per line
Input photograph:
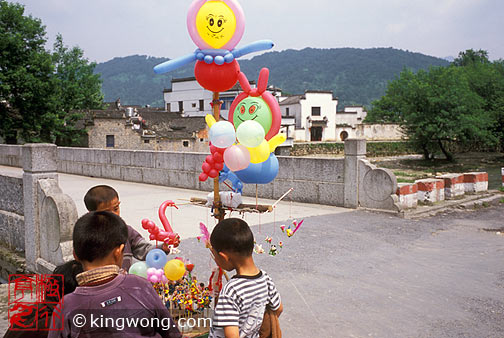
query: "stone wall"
10, 155
127, 138
12, 227
315, 180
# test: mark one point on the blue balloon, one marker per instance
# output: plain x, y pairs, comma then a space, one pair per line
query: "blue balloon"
227, 174
219, 56
170, 65
256, 46
259, 173
156, 258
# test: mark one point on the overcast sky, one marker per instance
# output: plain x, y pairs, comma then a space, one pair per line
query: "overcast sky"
105, 29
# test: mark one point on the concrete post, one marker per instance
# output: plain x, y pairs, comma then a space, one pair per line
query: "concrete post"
355, 150
39, 162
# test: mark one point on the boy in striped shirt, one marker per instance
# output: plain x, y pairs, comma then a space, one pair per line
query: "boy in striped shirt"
243, 300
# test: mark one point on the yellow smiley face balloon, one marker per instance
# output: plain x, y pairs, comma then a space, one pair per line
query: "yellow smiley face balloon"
216, 23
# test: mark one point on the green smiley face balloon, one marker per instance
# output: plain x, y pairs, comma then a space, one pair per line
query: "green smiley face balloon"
253, 108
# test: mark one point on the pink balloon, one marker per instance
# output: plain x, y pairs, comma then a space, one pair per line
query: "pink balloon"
164, 279
153, 279
151, 271
159, 273
237, 157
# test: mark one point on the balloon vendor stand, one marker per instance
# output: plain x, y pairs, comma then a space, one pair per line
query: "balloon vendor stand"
242, 151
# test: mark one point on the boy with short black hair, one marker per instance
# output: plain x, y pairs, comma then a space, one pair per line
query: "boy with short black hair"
243, 300
105, 292
106, 198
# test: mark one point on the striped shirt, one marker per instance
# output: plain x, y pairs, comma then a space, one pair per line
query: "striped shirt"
242, 302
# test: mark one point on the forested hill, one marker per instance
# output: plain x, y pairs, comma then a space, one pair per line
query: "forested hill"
356, 76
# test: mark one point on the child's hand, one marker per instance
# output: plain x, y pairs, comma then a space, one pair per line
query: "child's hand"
165, 248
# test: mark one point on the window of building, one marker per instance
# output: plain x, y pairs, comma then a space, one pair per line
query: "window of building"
181, 106
287, 111
201, 105
315, 111
185, 143
146, 141
110, 141
193, 105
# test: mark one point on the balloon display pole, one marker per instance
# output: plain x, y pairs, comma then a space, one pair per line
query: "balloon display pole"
219, 212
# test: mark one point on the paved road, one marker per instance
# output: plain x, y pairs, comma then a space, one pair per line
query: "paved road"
362, 274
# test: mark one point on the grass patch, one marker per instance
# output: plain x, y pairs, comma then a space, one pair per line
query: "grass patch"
405, 180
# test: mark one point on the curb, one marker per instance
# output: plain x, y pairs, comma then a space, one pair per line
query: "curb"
471, 202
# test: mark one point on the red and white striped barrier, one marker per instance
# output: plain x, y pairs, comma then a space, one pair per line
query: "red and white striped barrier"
407, 193
453, 185
430, 190
475, 182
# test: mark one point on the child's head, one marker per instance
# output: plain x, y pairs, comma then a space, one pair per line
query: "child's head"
102, 198
69, 270
231, 240
99, 238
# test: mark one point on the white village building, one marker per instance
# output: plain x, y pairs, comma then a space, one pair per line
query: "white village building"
309, 117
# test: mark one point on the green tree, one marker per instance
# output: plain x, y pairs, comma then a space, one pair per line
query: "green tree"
39, 90
487, 80
76, 88
25, 76
470, 57
436, 108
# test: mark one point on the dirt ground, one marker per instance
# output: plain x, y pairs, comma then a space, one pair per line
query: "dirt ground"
414, 168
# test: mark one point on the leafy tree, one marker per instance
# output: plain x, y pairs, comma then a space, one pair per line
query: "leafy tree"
76, 87
436, 108
25, 76
39, 90
470, 57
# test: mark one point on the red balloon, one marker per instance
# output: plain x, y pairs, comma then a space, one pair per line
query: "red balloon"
213, 173
217, 78
219, 166
206, 167
221, 150
152, 237
210, 159
145, 222
218, 158
203, 177
213, 149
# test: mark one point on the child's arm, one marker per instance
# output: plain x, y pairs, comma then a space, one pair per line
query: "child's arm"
139, 246
232, 332
279, 311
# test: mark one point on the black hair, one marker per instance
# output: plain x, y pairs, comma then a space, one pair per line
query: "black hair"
233, 235
98, 195
69, 270
97, 233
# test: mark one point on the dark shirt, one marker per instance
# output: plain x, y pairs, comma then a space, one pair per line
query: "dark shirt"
124, 298
136, 246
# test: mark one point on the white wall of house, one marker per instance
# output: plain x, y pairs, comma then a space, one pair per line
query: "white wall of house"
312, 110
189, 92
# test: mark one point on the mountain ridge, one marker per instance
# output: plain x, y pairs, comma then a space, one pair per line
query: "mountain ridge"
356, 76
